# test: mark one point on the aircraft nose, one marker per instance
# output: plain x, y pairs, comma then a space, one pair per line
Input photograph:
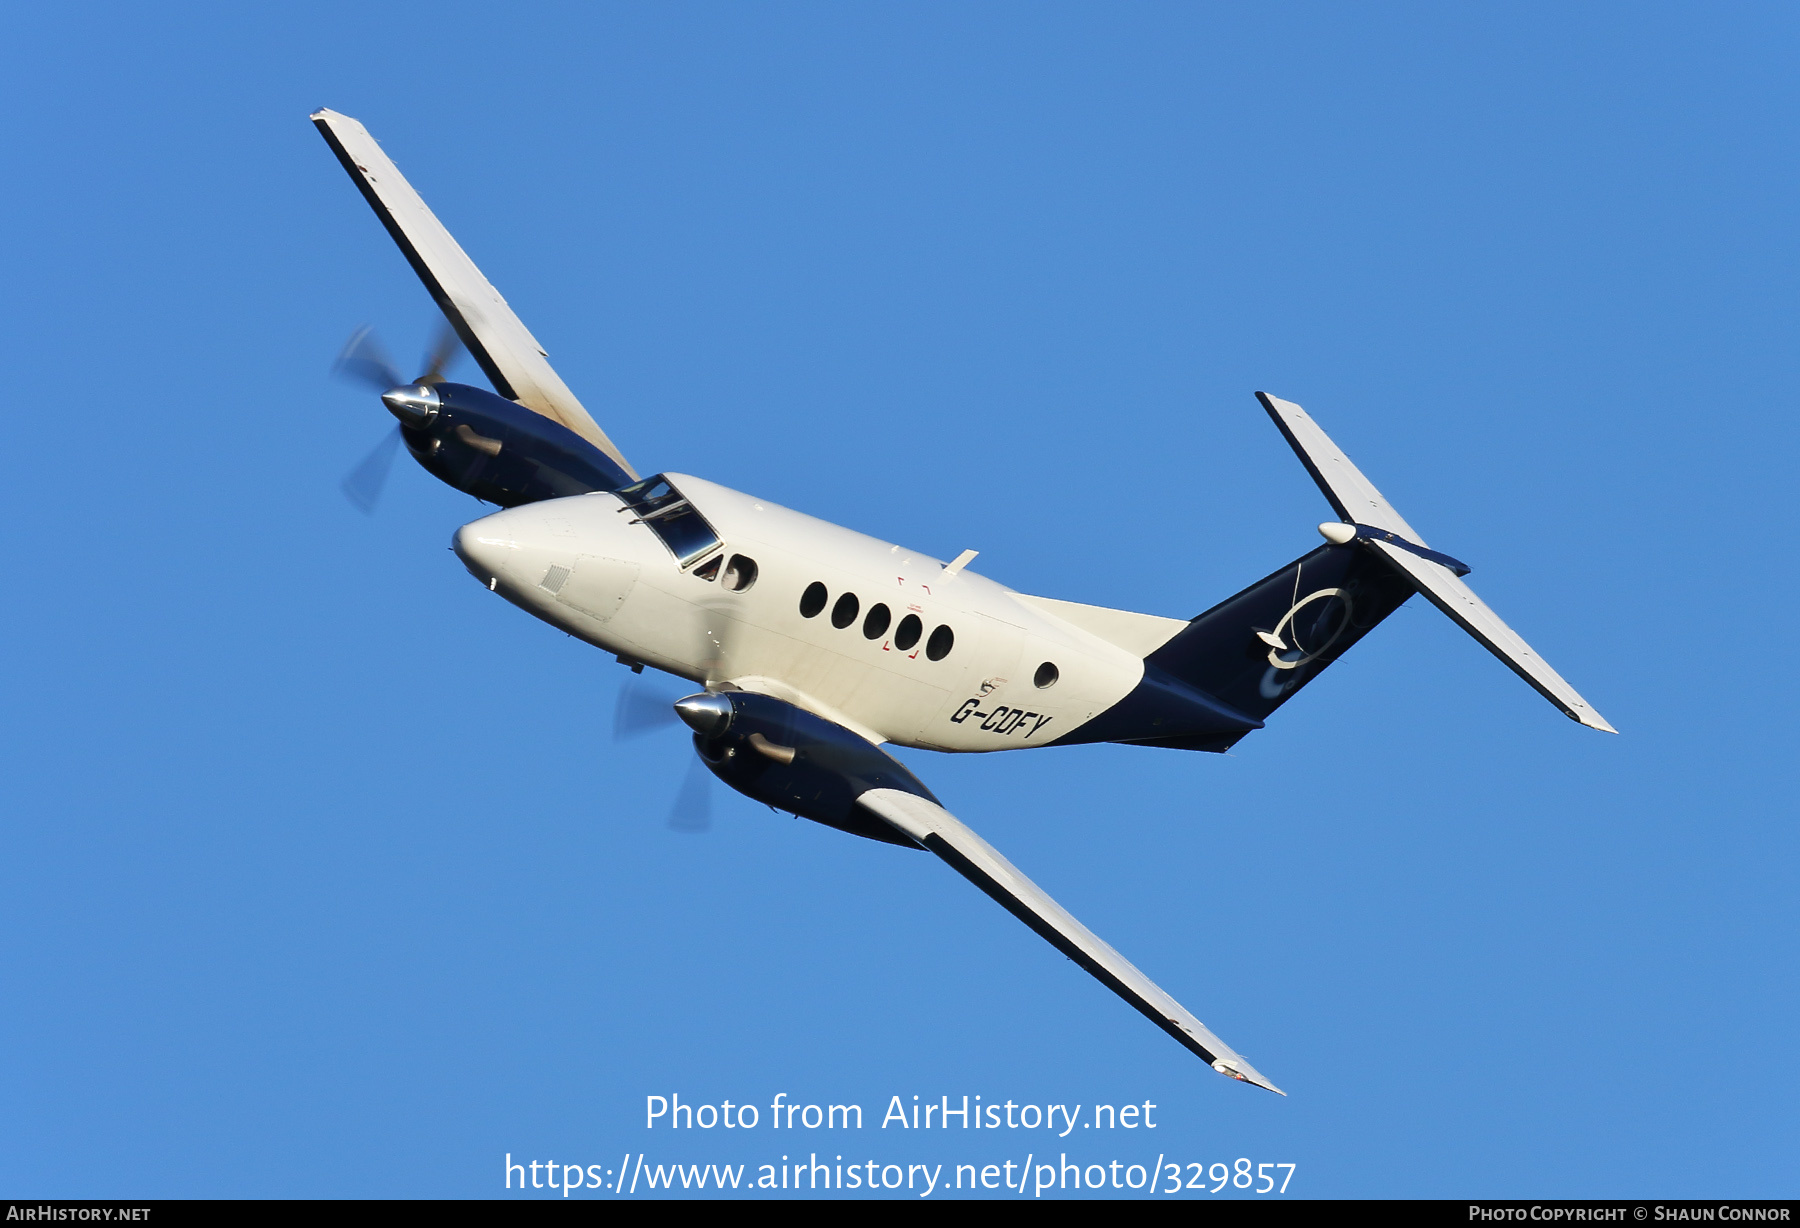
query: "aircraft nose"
481, 550
512, 551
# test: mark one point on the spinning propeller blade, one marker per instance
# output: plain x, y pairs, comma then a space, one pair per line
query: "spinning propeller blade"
646, 706
643, 708
692, 810
717, 634
441, 355
363, 485
365, 361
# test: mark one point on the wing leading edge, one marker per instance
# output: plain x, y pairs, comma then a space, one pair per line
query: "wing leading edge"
497, 339
978, 861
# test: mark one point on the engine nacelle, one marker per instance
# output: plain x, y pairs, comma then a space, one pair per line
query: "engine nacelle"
496, 449
786, 757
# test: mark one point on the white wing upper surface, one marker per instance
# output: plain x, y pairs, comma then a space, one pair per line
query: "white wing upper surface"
510, 356
979, 862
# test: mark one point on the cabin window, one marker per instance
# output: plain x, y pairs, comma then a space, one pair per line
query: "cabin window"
876, 624
740, 573
655, 502
1046, 676
908, 632
844, 612
709, 570
941, 642
813, 600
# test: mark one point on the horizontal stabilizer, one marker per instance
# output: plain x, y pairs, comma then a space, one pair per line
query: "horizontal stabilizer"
509, 355
1356, 500
979, 862
1138, 634
1448, 593
1352, 496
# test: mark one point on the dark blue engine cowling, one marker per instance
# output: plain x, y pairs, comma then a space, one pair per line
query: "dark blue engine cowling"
830, 768
498, 450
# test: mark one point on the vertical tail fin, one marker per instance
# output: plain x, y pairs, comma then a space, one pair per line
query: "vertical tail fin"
1255, 650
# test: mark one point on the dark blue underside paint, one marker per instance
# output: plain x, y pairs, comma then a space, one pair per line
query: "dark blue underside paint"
537, 459
832, 766
1369, 533
1218, 670
1164, 707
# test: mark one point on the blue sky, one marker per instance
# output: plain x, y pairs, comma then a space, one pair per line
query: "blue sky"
321, 875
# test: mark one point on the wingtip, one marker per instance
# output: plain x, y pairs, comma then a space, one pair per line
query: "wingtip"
1581, 714
1237, 1068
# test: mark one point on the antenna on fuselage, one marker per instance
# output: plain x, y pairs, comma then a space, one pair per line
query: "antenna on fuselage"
962, 560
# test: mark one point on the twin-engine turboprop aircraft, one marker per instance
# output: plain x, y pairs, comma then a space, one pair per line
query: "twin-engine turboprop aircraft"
814, 644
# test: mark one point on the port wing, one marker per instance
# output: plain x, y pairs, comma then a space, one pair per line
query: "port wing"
511, 357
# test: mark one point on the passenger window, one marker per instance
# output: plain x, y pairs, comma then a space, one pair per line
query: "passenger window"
709, 570
740, 574
941, 642
813, 600
908, 632
876, 624
844, 612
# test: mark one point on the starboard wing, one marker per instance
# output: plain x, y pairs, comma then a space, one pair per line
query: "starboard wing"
978, 861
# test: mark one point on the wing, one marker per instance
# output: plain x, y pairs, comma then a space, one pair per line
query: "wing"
976, 860
509, 355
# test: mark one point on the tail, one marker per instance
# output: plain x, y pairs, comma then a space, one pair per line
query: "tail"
1255, 650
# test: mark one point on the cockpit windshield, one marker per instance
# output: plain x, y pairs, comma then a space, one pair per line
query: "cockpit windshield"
655, 502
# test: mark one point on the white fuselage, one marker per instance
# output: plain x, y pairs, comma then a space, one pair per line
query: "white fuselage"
587, 565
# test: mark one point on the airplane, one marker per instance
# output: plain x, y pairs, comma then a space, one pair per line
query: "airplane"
814, 645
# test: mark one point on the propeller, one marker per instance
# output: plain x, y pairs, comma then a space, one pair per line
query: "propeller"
365, 361
363, 485
644, 707
692, 811
716, 638
647, 705
693, 805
